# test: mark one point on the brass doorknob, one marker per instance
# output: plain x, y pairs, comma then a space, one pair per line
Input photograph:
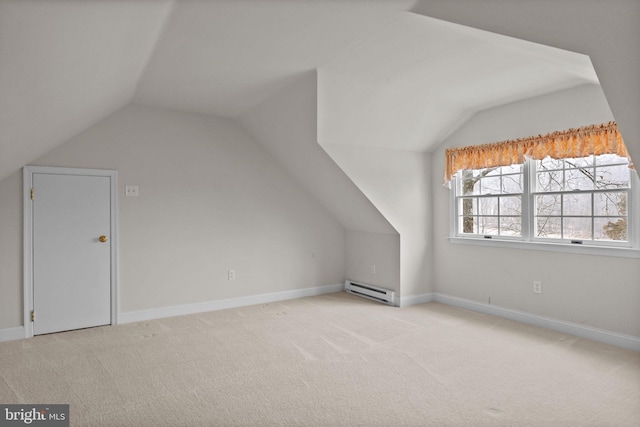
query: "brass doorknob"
103, 238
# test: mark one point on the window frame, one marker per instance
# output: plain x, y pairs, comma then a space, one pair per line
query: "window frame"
528, 239
497, 196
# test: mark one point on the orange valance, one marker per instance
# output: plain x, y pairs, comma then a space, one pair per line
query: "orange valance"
581, 142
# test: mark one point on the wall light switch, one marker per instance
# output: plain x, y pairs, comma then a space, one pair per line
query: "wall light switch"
131, 191
537, 287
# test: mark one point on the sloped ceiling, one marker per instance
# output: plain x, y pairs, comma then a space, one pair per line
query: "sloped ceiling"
67, 64
224, 57
415, 81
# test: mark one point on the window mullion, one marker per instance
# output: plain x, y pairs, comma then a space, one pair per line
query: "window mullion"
593, 214
528, 174
498, 201
633, 208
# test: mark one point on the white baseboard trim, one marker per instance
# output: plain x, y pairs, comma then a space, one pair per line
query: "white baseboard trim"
414, 299
180, 310
12, 334
613, 338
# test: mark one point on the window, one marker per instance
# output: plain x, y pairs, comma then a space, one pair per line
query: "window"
490, 201
583, 199
580, 201
574, 188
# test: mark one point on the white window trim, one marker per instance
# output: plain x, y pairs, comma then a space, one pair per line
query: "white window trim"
631, 251
549, 247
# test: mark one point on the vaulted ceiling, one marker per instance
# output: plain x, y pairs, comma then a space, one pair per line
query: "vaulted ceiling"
413, 82
387, 76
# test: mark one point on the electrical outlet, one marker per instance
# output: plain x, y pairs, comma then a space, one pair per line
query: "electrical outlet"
131, 191
232, 275
372, 268
537, 287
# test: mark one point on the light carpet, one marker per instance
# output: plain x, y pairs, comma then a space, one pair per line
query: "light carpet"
331, 360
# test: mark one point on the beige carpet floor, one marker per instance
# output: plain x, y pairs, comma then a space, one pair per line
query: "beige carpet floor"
331, 360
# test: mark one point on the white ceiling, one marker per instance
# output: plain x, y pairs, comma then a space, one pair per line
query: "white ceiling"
67, 64
415, 81
223, 57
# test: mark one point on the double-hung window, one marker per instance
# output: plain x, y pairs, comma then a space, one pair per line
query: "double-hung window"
489, 201
582, 200
590, 200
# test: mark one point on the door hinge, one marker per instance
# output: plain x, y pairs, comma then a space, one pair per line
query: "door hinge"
33, 191
33, 315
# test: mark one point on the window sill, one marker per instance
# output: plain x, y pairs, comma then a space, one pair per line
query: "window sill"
550, 247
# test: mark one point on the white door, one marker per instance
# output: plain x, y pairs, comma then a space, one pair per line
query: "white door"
71, 220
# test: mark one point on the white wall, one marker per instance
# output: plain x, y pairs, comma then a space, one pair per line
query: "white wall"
382, 251
211, 199
398, 184
286, 124
600, 292
11, 251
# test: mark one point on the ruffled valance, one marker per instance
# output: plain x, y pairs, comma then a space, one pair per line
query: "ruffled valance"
581, 142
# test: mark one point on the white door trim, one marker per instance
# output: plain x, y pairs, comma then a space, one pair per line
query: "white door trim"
28, 172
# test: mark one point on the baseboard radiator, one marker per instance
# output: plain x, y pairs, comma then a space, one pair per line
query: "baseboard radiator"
374, 293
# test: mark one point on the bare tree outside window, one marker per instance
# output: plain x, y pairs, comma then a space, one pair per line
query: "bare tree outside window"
493, 202
577, 199
583, 198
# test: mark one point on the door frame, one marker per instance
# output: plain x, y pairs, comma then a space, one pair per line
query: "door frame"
27, 183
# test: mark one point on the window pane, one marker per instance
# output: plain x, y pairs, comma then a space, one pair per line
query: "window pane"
549, 163
488, 225
512, 184
511, 169
608, 159
468, 225
468, 206
610, 229
576, 228
469, 182
490, 185
492, 172
511, 225
548, 227
576, 204
578, 179
613, 203
488, 206
579, 162
612, 177
548, 204
511, 205
549, 181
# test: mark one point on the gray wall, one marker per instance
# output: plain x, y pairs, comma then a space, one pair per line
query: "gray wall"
11, 251
211, 199
382, 251
596, 291
286, 124
398, 184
